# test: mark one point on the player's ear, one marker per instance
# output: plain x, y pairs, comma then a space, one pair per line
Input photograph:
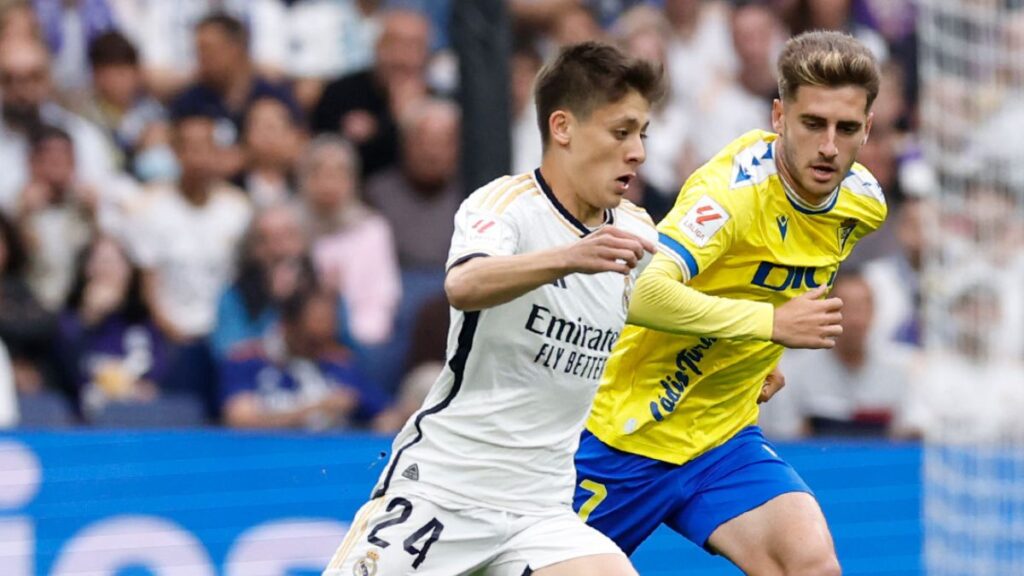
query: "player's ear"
560, 127
867, 128
777, 115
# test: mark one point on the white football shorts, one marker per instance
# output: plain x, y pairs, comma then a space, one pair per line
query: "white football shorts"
402, 534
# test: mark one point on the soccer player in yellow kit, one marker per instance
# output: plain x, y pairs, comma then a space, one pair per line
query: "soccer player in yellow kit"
754, 240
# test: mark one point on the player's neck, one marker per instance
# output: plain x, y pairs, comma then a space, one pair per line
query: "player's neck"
570, 199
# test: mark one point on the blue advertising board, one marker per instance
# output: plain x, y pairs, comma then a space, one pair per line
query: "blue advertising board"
205, 503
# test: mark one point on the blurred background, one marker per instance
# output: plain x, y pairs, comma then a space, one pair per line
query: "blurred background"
223, 226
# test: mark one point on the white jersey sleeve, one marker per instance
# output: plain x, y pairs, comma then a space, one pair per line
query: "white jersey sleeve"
484, 226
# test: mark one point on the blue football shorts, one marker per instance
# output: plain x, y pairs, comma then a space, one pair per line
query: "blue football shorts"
627, 496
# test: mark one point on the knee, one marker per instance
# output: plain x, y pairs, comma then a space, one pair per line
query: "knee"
822, 564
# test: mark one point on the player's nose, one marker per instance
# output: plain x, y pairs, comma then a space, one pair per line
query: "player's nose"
827, 147
637, 153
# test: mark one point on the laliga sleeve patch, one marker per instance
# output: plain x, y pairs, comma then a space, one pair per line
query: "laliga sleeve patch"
703, 221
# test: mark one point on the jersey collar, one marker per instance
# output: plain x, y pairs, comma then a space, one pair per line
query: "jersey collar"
609, 215
799, 203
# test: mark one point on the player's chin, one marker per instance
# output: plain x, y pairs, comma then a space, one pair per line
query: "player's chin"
609, 200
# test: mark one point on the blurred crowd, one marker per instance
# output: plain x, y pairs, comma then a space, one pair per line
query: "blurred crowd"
238, 212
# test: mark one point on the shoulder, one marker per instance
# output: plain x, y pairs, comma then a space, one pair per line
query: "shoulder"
502, 194
634, 219
731, 179
865, 192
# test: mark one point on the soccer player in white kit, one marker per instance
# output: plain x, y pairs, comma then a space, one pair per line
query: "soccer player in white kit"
541, 266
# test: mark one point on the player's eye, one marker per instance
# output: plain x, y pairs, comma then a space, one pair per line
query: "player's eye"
813, 124
643, 135
849, 130
621, 133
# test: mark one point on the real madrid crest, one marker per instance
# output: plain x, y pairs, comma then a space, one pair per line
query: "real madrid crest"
366, 566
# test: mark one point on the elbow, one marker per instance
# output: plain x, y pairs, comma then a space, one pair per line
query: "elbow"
458, 291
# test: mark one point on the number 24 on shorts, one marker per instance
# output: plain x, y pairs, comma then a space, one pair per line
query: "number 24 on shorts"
431, 531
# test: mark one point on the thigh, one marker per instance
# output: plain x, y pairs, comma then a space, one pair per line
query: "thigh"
559, 544
622, 495
784, 535
403, 534
735, 478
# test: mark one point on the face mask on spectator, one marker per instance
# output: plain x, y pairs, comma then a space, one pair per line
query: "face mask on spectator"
157, 164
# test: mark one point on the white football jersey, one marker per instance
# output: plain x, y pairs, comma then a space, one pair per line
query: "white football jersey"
501, 424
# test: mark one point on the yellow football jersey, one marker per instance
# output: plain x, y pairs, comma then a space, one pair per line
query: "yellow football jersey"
736, 231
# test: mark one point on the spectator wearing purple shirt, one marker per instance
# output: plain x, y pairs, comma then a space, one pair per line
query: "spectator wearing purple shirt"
107, 341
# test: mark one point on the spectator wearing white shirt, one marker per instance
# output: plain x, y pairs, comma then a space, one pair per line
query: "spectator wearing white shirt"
185, 237
850, 390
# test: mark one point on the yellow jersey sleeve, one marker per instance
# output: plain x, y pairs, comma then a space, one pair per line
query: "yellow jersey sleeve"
661, 301
703, 224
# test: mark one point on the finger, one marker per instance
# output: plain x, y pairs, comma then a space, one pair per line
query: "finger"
644, 243
832, 331
627, 256
832, 304
648, 246
834, 318
815, 293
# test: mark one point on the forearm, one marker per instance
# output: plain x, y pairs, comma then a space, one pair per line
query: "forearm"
661, 301
486, 282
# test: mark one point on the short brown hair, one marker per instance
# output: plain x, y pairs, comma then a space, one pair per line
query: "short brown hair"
827, 59
588, 75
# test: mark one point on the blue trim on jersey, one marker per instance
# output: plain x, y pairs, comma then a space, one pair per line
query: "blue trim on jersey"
829, 206
680, 251
693, 499
458, 367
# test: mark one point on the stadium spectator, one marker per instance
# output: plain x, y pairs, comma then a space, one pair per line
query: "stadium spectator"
644, 32
274, 265
18, 21
272, 143
119, 103
184, 235
853, 389
937, 406
837, 15
68, 28
298, 376
573, 24
56, 215
312, 41
897, 278
27, 101
729, 105
226, 87
108, 344
26, 328
419, 198
354, 245
526, 144
165, 35
701, 48
364, 107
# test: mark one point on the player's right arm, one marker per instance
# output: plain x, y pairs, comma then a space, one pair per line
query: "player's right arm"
479, 283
